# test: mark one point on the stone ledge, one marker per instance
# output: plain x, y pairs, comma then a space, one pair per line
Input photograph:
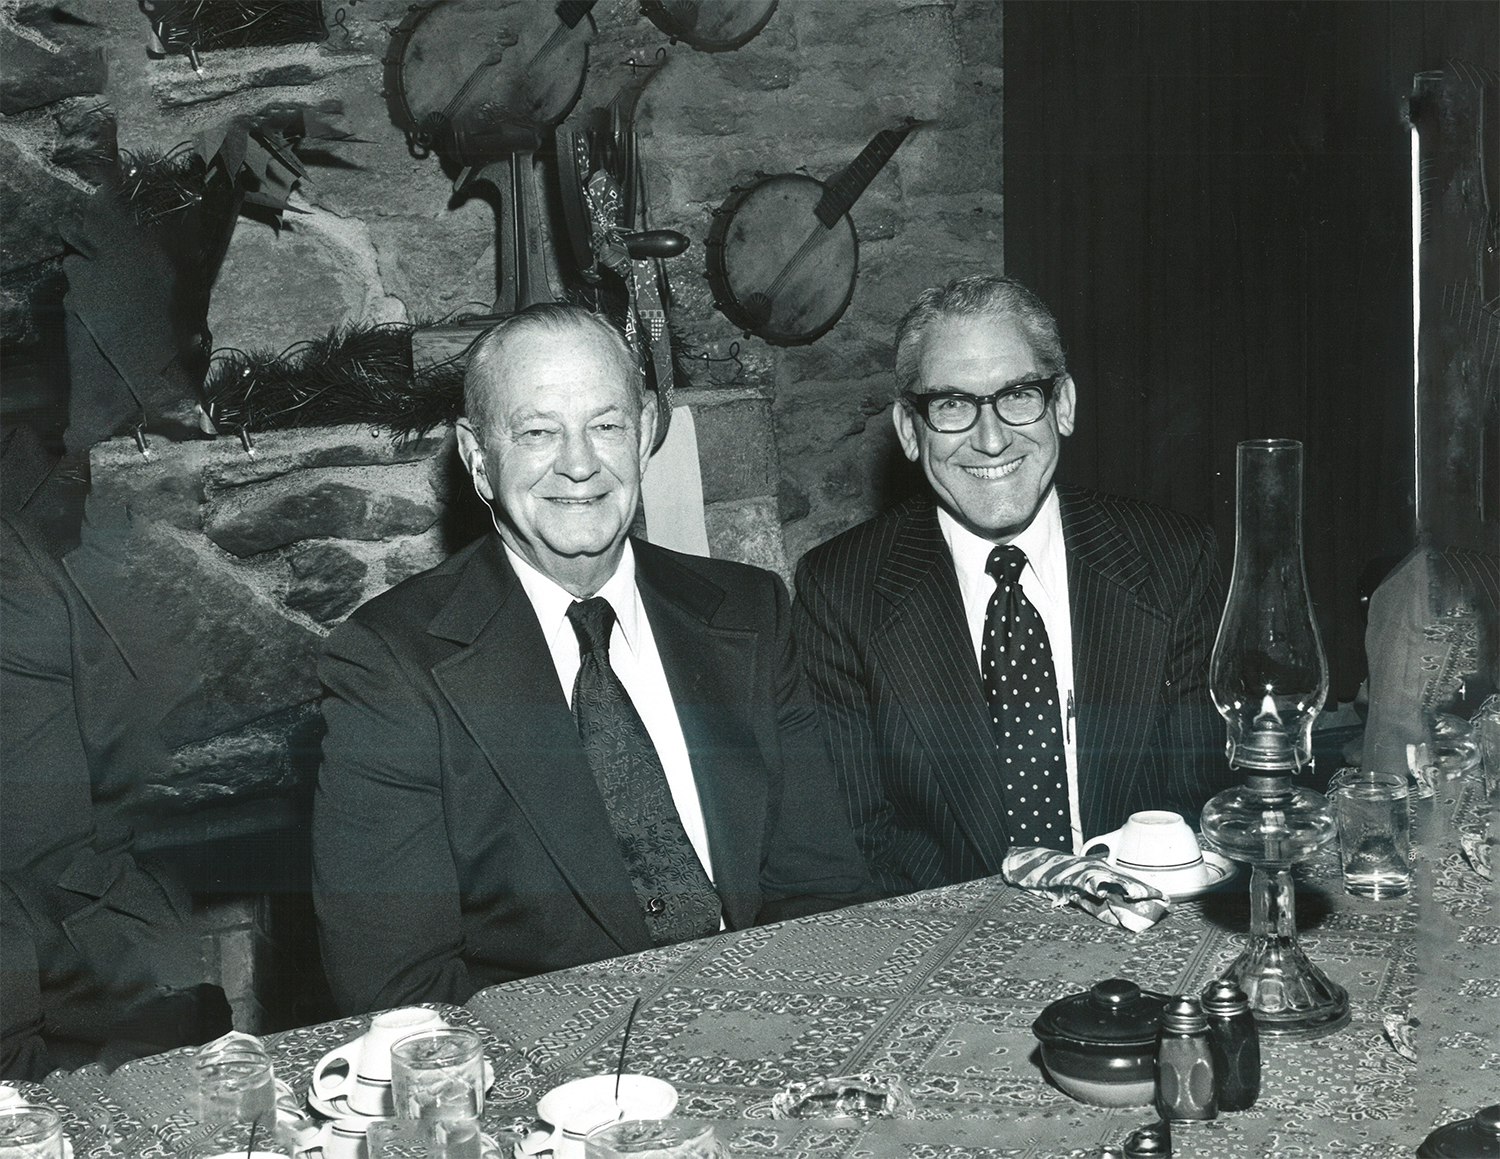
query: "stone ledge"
231, 71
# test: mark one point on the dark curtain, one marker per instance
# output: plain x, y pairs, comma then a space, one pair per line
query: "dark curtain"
1215, 200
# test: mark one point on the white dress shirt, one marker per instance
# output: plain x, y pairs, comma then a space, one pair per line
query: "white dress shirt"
1045, 582
635, 660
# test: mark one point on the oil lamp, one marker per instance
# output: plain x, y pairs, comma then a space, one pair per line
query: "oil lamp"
1268, 678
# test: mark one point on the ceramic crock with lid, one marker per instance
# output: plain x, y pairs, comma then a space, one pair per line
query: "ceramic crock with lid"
1100, 1045
1478, 1136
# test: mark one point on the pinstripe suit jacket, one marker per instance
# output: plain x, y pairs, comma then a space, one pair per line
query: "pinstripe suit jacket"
882, 632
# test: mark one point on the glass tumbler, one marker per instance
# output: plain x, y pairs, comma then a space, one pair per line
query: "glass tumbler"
236, 1085
437, 1078
30, 1133
1374, 831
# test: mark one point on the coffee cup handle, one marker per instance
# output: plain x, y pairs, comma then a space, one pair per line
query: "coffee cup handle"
326, 1088
1107, 840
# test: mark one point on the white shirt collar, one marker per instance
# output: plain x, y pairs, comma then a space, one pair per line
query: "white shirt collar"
1042, 541
551, 600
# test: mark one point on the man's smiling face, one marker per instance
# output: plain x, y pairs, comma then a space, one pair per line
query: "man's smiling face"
992, 478
563, 456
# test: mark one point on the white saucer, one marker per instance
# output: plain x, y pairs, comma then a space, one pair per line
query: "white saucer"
1220, 870
338, 1107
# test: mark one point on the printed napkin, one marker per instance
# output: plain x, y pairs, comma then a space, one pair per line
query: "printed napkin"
1088, 883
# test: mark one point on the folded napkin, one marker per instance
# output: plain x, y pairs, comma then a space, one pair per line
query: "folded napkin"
1088, 883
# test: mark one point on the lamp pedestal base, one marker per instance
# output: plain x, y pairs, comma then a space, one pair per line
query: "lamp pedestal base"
1289, 996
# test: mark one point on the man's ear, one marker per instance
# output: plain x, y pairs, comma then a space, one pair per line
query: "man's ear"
472, 454
1066, 401
650, 416
906, 430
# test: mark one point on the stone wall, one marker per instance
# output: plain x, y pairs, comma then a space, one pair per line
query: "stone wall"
270, 552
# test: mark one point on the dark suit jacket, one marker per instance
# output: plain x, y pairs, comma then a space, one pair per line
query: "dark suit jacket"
881, 628
99, 957
459, 838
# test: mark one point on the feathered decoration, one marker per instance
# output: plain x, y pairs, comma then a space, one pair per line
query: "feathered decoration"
156, 187
354, 374
194, 26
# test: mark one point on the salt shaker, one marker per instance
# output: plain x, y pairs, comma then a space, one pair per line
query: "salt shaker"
1184, 1064
1235, 1044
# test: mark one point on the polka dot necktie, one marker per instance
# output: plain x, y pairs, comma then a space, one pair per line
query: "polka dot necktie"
1021, 686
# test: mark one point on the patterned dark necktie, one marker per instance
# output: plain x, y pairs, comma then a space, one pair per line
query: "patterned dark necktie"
676, 896
1021, 686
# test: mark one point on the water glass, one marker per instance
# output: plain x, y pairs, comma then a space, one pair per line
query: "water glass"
655, 1139
1487, 724
1455, 747
437, 1077
1374, 831
236, 1084
30, 1133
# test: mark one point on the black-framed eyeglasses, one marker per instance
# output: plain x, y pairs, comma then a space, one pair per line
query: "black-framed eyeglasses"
951, 412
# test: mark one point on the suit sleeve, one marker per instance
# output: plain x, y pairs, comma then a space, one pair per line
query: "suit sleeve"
831, 661
1190, 733
384, 882
812, 862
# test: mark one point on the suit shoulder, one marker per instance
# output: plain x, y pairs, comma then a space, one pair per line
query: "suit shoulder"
696, 574
862, 547
413, 602
1152, 528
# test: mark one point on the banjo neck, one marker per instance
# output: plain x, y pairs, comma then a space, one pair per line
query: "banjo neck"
843, 189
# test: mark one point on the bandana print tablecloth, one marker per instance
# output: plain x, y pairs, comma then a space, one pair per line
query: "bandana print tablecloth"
941, 988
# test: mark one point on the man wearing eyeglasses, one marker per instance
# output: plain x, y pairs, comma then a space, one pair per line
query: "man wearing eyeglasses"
1005, 661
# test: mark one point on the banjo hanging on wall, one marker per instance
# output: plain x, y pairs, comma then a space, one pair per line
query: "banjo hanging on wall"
783, 253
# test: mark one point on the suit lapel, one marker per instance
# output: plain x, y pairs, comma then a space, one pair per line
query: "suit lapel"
711, 672
503, 687
1115, 628
925, 651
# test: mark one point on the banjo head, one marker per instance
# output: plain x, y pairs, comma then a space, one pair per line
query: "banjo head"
775, 270
482, 64
710, 25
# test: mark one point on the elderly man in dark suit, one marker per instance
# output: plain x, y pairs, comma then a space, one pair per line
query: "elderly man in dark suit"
563, 744
1005, 662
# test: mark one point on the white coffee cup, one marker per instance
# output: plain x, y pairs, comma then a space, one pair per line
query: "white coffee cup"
576, 1109
365, 1078
345, 1139
1158, 847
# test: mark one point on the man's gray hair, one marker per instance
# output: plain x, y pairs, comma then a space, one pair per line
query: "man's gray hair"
979, 295
560, 318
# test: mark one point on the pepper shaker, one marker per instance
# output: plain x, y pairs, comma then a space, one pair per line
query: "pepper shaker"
1235, 1044
1184, 1064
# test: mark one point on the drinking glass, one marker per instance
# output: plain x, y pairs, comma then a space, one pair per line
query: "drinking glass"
437, 1077
236, 1085
30, 1133
1374, 831
655, 1139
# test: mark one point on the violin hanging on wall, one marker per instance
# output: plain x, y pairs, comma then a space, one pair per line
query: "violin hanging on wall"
783, 254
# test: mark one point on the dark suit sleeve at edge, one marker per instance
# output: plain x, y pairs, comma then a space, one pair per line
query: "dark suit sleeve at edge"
1189, 735
384, 881
831, 661
811, 862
